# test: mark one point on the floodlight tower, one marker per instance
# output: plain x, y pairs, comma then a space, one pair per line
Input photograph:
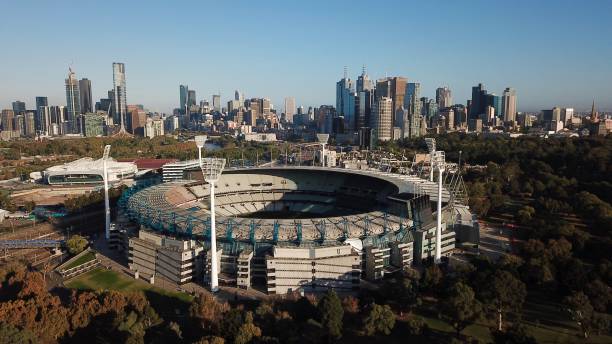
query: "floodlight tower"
106, 201
431, 146
212, 169
439, 164
323, 138
200, 140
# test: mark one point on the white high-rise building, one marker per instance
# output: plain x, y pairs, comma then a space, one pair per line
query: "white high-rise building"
382, 119
289, 108
509, 105
120, 95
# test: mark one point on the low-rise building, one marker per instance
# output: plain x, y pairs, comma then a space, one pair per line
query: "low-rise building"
177, 260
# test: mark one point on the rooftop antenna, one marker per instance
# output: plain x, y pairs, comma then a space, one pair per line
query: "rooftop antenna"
363, 70
345, 72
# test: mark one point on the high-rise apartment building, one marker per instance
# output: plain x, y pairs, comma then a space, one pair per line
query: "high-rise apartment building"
289, 108
7, 120
120, 94
86, 100
29, 127
41, 101
382, 121
73, 102
509, 105
444, 97
92, 124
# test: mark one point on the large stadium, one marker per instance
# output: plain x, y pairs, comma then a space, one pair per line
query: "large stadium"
290, 228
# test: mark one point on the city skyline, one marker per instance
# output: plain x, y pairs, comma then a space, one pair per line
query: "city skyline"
536, 66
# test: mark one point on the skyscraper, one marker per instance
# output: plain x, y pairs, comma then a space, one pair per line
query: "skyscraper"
289, 108
444, 97
382, 121
216, 102
363, 82
509, 105
345, 100
413, 104
363, 108
42, 114
41, 101
191, 98
7, 120
478, 105
85, 89
394, 88
73, 102
495, 101
183, 93
18, 107
120, 94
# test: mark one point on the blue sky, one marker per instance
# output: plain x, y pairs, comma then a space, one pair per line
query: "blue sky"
552, 52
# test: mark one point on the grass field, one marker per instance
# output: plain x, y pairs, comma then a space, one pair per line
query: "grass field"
169, 304
82, 259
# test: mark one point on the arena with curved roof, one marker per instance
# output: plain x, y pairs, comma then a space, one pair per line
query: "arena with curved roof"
349, 223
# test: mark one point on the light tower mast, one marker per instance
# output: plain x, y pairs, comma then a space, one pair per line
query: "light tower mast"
211, 170
106, 201
439, 164
323, 138
200, 140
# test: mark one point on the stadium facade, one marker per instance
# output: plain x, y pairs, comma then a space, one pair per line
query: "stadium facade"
293, 228
88, 171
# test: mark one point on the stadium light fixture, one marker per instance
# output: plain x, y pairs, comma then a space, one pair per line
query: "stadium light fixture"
200, 140
106, 201
431, 147
211, 170
322, 138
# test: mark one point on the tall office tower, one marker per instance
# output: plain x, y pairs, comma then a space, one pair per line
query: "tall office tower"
216, 102
509, 105
363, 82
183, 94
266, 107
460, 113
394, 88
239, 96
344, 89
85, 89
19, 107
7, 120
495, 102
412, 98
478, 105
382, 121
42, 122
289, 108
19, 124
414, 124
73, 102
41, 102
363, 108
325, 118
120, 94
444, 97
191, 98
566, 116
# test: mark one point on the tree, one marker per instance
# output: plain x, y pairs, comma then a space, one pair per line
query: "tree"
580, 310
29, 206
76, 244
247, 331
380, 319
331, 313
504, 293
461, 307
10, 334
207, 312
432, 278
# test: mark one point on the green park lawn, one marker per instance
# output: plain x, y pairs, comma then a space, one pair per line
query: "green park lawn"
82, 259
164, 301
